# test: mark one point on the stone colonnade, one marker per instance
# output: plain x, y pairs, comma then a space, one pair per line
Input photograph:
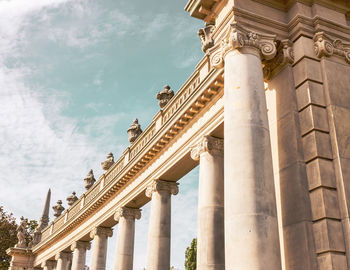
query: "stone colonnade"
237, 225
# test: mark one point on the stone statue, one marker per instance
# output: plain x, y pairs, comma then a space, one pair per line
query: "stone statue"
134, 131
108, 163
164, 96
58, 208
71, 199
206, 36
89, 180
21, 234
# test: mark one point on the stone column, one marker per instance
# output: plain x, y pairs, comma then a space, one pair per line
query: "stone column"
99, 247
63, 259
158, 250
251, 230
125, 243
79, 254
48, 265
210, 233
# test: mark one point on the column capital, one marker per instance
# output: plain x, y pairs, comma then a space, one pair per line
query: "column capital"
63, 255
161, 185
244, 40
128, 213
208, 144
49, 264
324, 45
101, 231
80, 245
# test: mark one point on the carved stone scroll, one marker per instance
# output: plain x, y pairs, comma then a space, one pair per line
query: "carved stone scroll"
208, 144
127, 213
326, 46
160, 185
239, 38
101, 231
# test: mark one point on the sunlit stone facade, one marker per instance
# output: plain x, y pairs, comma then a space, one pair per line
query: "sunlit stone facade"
273, 184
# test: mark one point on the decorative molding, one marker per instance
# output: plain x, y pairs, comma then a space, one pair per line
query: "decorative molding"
128, 213
208, 144
326, 46
206, 36
284, 56
63, 255
101, 231
238, 38
80, 245
160, 185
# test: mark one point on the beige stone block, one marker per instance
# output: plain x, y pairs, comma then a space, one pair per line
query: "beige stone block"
310, 93
341, 118
332, 261
290, 148
338, 82
324, 204
302, 47
307, 69
329, 236
298, 241
313, 118
295, 200
317, 144
320, 173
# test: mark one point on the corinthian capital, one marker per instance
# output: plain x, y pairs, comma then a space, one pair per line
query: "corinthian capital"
128, 213
208, 144
101, 231
240, 38
160, 185
326, 46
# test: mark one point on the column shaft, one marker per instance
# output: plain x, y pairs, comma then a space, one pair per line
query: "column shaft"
79, 255
251, 230
211, 238
158, 251
99, 248
125, 241
63, 260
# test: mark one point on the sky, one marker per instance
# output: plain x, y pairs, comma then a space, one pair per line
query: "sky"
73, 76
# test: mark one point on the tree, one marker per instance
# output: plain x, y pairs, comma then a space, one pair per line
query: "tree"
8, 236
191, 256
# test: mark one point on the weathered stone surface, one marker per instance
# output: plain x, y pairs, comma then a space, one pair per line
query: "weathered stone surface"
320, 173
324, 204
310, 93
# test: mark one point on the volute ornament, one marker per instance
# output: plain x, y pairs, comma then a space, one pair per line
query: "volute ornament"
206, 36
134, 130
208, 144
108, 162
128, 213
326, 46
89, 180
238, 38
21, 234
58, 209
161, 185
71, 199
164, 96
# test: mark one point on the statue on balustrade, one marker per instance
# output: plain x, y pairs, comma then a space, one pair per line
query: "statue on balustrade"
58, 208
89, 180
21, 234
164, 96
134, 131
108, 163
71, 199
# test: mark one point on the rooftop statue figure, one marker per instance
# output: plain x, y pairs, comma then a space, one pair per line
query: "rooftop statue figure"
134, 130
89, 180
71, 199
108, 162
58, 209
21, 234
164, 96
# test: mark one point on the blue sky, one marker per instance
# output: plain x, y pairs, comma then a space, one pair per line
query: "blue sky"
73, 76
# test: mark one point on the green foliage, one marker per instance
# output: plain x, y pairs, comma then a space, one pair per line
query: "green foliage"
8, 235
191, 256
